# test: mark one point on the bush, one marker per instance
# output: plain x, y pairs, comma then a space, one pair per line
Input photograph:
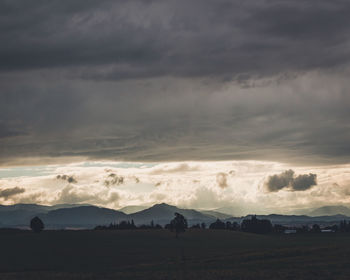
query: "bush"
36, 224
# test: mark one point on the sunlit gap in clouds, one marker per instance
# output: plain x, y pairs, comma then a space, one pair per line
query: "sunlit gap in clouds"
242, 186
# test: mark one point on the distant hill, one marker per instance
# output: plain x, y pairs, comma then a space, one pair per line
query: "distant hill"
330, 210
88, 216
132, 209
163, 213
216, 214
296, 219
21, 214
24, 207
231, 211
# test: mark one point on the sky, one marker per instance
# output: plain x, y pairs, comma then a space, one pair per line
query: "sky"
193, 89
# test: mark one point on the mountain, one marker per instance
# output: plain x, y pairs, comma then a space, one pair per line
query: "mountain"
296, 220
232, 211
163, 213
82, 216
21, 214
215, 214
132, 209
88, 216
330, 210
24, 207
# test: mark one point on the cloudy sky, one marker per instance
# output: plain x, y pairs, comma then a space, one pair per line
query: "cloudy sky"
201, 104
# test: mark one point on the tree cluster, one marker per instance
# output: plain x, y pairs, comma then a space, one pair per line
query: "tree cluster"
254, 225
344, 226
218, 224
128, 225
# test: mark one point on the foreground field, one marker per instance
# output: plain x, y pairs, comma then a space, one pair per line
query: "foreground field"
157, 254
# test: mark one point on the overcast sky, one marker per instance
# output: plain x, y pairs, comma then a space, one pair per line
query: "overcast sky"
170, 80
166, 81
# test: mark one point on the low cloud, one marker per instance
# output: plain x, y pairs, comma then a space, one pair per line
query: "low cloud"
221, 179
69, 179
113, 197
288, 180
182, 167
70, 195
74, 195
7, 193
114, 179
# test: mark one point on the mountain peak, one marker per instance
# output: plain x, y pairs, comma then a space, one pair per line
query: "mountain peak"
163, 205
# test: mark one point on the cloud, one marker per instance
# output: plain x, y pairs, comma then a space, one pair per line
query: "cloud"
199, 189
69, 179
114, 179
152, 39
9, 192
304, 182
130, 73
70, 195
113, 197
73, 195
288, 180
174, 168
221, 180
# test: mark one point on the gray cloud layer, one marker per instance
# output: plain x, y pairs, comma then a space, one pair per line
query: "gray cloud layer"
7, 193
163, 80
288, 180
184, 38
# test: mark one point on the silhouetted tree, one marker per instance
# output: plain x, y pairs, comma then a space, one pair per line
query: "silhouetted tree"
344, 226
218, 224
198, 226
203, 226
228, 225
255, 225
168, 226
179, 224
316, 228
302, 229
36, 224
235, 226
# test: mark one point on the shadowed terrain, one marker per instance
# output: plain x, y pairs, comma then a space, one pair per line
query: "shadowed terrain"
157, 254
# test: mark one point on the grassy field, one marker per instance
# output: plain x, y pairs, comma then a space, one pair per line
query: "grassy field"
156, 254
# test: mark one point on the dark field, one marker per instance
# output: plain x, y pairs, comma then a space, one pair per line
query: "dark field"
156, 254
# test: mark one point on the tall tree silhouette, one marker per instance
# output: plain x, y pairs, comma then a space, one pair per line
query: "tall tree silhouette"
178, 224
36, 224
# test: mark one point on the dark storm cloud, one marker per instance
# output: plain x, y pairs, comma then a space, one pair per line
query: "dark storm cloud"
288, 180
123, 39
175, 80
69, 179
304, 182
7, 193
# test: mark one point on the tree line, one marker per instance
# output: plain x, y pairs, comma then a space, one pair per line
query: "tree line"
179, 224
